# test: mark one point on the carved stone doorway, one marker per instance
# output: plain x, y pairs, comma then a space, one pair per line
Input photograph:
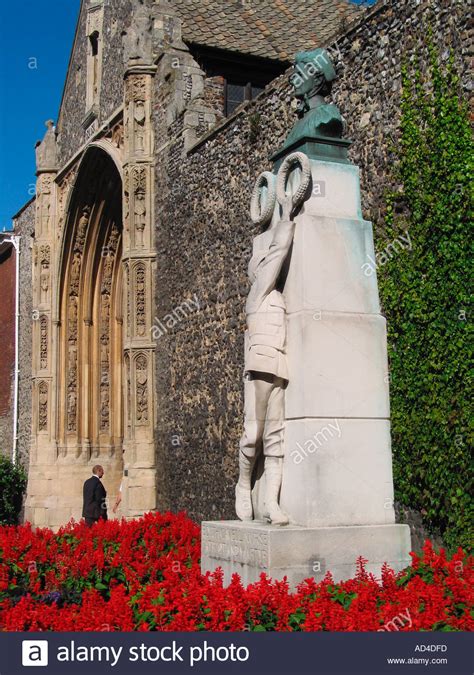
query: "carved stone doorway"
89, 421
93, 368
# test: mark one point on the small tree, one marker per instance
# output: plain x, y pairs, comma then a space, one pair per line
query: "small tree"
12, 488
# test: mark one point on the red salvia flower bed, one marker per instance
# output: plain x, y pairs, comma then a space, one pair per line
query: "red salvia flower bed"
144, 575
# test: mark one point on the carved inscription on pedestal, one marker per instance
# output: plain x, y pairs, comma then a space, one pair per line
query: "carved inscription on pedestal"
235, 545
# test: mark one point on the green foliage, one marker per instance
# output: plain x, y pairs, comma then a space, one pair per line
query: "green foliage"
12, 488
342, 597
425, 297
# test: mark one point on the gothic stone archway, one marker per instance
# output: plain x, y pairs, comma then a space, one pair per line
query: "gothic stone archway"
93, 383
90, 418
78, 382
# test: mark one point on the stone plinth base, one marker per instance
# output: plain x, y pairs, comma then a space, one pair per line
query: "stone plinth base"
300, 552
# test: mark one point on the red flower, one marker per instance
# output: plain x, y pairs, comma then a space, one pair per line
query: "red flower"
144, 575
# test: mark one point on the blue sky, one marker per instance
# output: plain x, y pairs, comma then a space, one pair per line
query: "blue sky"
29, 95
36, 38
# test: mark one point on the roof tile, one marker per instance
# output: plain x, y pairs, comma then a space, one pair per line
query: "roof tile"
274, 29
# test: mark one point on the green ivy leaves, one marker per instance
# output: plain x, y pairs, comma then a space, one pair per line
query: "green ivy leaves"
426, 298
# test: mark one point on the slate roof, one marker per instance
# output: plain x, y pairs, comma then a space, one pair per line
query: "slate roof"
273, 29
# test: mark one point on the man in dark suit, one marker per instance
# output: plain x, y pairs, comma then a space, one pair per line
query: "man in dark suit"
94, 494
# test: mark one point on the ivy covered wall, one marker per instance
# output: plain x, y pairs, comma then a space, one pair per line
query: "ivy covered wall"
426, 298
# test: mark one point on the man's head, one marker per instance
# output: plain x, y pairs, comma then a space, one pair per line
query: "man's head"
98, 471
313, 74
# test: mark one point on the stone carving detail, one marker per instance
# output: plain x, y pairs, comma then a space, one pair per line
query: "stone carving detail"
43, 343
72, 318
126, 199
63, 193
75, 274
188, 87
82, 229
140, 300
72, 366
43, 406
128, 401
115, 135
44, 258
128, 291
109, 253
136, 115
137, 212
139, 116
261, 211
43, 203
139, 178
136, 88
139, 203
141, 383
104, 364
45, 183
140, 217
46, 151
137, 40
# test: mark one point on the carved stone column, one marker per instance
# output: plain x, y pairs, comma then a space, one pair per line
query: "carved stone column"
43, 452
139, 484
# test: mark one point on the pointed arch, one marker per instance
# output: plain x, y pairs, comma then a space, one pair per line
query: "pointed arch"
89, 367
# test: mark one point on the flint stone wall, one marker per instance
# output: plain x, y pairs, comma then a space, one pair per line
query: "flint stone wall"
204, 237
71, 132
7, 340
24, 225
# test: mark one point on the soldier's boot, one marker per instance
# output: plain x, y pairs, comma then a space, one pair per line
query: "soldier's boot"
273, 476
243, 489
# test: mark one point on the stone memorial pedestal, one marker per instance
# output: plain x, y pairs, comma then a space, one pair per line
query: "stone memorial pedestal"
337, 484
297, 553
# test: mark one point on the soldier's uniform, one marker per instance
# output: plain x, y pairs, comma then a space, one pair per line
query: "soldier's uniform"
266, 370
